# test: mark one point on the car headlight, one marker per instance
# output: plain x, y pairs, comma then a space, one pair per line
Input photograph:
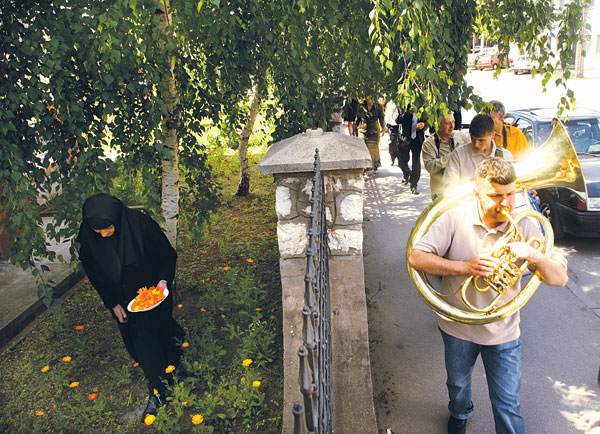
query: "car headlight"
593, 203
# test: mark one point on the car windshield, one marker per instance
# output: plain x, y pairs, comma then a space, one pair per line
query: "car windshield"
584, 133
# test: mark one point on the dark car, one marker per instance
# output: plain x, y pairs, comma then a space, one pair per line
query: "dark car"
567, 210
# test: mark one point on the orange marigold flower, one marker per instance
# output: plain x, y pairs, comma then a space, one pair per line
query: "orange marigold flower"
169, 369
256, 383
250, 260
207, 279
86, 281
222, 315
147, 297
149, 419
155, 391
247, 362
92, 396
202, 309
273, 317
66, 359
39, 413
235, 218
199, 366
185, 344
74, 384
45, 368
197, 419
225, 268
258, 309
136, 364
79, 327
180, 305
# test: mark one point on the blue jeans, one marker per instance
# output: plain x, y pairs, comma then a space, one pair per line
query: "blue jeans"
502, 365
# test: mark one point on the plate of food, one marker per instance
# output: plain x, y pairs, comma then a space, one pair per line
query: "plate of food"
147, 299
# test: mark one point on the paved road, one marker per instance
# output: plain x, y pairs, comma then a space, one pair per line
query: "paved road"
561, 351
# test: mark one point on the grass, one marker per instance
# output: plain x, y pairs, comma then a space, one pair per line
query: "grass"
229, 302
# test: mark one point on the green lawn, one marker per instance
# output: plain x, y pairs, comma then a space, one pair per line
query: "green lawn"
229, 302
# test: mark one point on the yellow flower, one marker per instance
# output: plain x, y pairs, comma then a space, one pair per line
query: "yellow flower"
202, 309
249, 260
180, 305
199, 366
39, 413
184, 403
149, 419
185, 344
247, 362
45, 368
170, 369
197, 419
155, 391
74, 384
66, 359
256, 383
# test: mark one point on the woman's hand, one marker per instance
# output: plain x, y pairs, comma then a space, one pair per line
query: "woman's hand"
120, 313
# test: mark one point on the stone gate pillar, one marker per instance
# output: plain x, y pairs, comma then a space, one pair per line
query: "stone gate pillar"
343, 159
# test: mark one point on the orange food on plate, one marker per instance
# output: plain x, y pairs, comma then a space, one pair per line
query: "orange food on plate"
147, 297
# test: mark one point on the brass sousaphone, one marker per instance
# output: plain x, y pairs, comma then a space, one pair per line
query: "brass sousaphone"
554, 164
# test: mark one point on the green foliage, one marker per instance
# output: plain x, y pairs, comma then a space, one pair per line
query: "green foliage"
423, 45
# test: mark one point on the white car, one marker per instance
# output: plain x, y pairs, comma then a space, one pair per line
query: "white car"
522, 64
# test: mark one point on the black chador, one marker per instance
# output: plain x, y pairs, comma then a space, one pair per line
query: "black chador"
122, 250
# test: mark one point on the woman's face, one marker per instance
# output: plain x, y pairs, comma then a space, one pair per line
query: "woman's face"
106, 232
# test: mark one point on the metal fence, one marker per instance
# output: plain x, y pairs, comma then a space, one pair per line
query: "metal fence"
315, 415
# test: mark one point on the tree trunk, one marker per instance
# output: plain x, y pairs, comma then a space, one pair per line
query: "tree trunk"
244, 185
579, 62
170, 163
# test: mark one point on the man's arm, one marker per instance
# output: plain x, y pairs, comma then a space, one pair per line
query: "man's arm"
431, 263
452, 172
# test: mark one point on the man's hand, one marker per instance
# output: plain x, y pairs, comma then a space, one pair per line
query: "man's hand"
162, 284
521, 250
120, 313
420, 125
481, 266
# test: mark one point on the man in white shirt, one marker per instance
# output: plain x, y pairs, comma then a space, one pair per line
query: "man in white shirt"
463, 160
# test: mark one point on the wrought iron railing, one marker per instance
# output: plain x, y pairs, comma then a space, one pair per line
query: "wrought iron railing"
315, 415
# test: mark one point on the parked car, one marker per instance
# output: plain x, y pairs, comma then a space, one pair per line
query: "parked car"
475, 54
491, 60
522, 64
567, 211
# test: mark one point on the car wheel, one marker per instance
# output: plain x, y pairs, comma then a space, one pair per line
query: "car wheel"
549, 210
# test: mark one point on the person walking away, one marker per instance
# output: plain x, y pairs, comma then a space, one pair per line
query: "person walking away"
436, 150
392, 122
457, 246
370, 128
349, 109
413, 132
123, 250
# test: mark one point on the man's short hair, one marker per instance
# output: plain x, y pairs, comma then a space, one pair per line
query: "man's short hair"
482, 126
496, 170
497, 108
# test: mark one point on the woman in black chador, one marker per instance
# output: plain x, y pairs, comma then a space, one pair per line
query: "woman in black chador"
123, 250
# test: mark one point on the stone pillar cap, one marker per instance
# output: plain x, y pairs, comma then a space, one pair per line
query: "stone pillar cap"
297, 153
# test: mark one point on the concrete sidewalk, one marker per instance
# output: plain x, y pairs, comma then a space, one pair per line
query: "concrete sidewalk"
561, 350
19, 303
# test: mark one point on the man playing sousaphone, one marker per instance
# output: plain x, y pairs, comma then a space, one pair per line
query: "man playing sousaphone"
456, 246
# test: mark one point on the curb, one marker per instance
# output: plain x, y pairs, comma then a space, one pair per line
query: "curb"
17, 325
